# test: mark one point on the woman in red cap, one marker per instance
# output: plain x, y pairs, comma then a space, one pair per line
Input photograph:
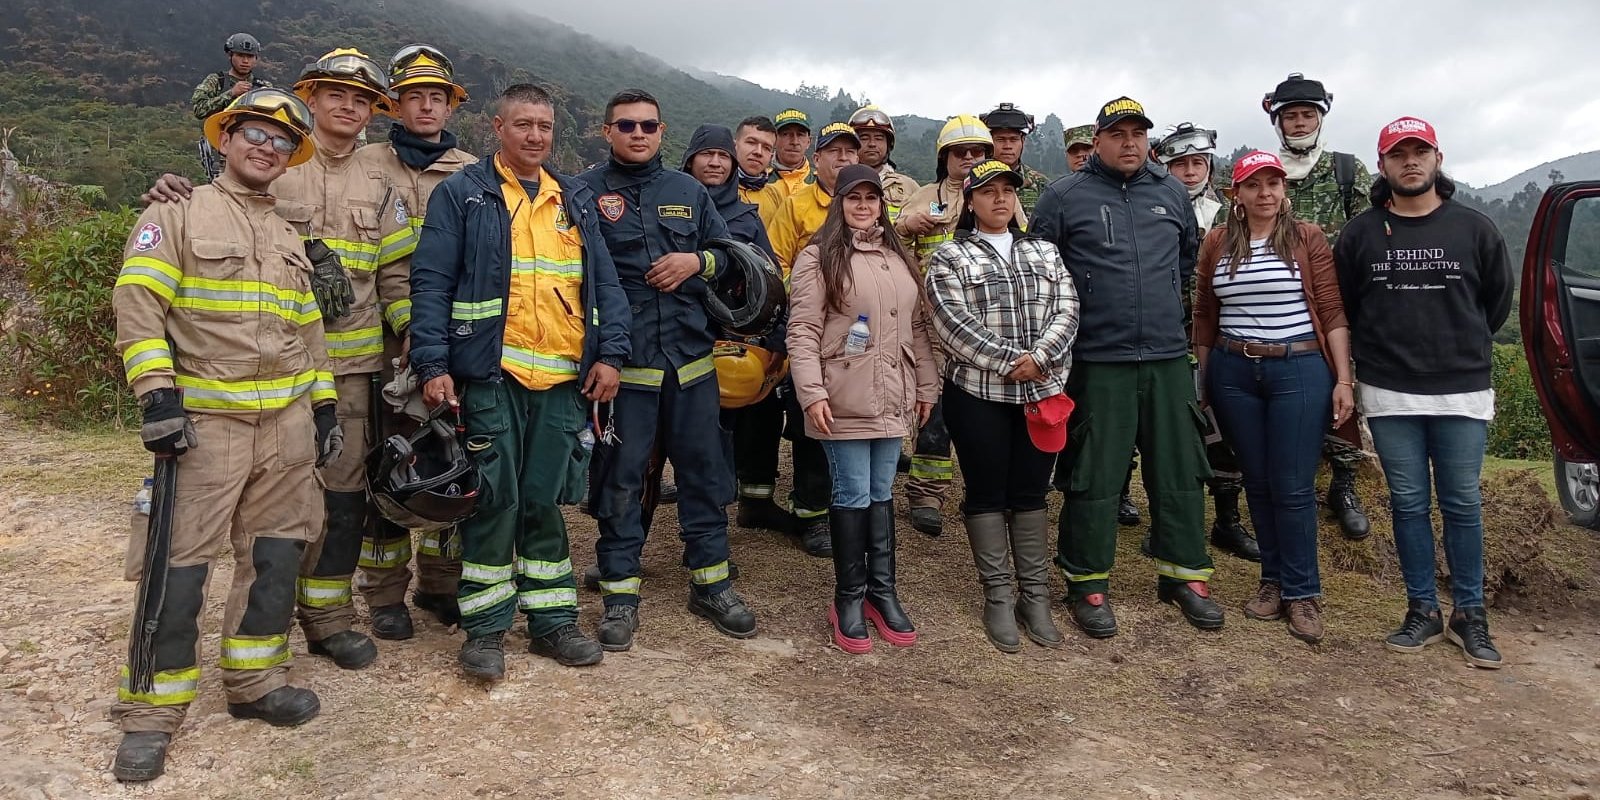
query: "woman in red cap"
862, 363
1274, 351
1006, 310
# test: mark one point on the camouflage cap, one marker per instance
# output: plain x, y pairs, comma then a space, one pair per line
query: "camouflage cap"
1082, 134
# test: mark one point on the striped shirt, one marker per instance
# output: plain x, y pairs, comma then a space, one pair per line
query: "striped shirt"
1263, 301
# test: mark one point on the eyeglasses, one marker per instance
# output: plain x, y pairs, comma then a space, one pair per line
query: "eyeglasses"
970, 151
283, 145
649, 126
408, 55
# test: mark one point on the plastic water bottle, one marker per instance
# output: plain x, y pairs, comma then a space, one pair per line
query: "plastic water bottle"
855, 343
141, 499
586, 437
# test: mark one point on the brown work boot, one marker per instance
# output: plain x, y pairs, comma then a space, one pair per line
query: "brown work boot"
1305, 619
1267, 605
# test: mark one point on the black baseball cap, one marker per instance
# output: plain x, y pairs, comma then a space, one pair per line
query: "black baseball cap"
856, 174
837, 130
986, 171
1118, 110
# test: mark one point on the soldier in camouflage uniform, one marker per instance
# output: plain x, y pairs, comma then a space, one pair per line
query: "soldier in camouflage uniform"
1079, 141
1010, 129
1327, 188
219, 89
876, 131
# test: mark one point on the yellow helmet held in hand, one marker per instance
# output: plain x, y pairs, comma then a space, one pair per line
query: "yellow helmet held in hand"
746, 373
272, 105
347, 66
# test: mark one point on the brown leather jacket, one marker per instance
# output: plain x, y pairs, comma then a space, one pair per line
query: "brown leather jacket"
1314, 262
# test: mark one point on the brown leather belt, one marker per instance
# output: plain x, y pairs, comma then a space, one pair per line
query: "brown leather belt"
1265, 349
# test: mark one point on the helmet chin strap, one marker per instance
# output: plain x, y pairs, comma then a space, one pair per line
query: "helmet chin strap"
1301, 145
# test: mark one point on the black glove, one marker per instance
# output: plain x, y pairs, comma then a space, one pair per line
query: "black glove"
330, 437
166, 429
329, 280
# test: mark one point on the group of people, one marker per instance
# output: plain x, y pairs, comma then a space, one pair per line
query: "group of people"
569, 334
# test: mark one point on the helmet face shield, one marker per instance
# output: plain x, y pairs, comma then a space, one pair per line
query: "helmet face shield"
427, 481
272, 104
412, 53
1186, 140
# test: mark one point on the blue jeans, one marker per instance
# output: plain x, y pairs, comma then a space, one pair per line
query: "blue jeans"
1274, 412
862, 469
1453, 448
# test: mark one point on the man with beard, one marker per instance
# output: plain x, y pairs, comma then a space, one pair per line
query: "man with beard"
1330, 189
875, 130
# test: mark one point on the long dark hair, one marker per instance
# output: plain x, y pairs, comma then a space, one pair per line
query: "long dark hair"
1381, 192
835, 241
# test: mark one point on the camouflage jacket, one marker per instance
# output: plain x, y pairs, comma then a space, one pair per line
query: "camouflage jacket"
213, 95
1033, 182
1316, 196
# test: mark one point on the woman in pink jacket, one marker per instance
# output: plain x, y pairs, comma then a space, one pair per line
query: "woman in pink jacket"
863, 370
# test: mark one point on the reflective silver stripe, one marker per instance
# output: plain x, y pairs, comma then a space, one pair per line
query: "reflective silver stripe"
384, 554
1171, 570
535, 361
547, 598
254, 653
565, 269
624, 586
711, 574
481, 573
488, 598
757, 491
544, 570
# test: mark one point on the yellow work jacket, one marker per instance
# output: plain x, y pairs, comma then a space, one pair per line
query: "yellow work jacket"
797, 219
543, 342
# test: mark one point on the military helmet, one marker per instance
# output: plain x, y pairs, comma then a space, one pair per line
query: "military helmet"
961, 129
1296, 90
872, 118
347, 66
270, 104
748, 298
746, 373
424, 65
1007, 116
427, 481
242, 43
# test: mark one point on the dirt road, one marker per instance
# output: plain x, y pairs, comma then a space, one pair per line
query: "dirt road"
1162, 711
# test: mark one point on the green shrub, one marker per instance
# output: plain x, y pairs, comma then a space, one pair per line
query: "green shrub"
61, 355
1519, 429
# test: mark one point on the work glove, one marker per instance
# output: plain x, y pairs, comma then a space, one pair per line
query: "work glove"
329, 280
166, 430
330, 437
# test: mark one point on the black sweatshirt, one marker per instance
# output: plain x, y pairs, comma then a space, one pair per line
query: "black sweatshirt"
1423, 296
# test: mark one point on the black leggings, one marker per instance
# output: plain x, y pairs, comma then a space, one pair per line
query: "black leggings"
1001, 468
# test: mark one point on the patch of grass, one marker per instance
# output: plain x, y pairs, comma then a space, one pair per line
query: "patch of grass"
301, 767
1540, 469
27, 647
93, 462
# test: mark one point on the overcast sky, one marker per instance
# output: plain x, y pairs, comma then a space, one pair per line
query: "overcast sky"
1508, 84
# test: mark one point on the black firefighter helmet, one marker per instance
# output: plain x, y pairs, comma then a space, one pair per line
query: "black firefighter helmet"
748, 297
426, 481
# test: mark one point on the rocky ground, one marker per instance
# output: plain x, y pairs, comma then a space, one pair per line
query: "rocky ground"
1162, 711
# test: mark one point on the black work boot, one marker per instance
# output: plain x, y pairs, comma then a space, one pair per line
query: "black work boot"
814, 536
1127, 512
763, 513
1228, 533
991, 554
1092, 614
1469, 629
1030, 550
1345, 506
847, 614
142, 756
568, 646
392, 622
617, 627
667, 494
927, 520
348, 649
1422, 626
1193, 598
726, 612
443, 607
883, 603
283, 707
484, 657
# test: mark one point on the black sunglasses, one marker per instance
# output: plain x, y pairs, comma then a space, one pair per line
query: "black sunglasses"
256, 136
649, 126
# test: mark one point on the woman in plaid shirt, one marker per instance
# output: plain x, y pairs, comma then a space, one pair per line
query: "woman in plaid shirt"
1005, 309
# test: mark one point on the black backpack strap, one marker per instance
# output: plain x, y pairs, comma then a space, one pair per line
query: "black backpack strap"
1344, 173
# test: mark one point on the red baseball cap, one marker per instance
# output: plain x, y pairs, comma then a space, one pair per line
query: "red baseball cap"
1406, 128
1047, 422
1254, 161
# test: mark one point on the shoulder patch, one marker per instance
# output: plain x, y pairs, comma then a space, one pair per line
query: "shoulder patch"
611, 205
148, 238
680, 212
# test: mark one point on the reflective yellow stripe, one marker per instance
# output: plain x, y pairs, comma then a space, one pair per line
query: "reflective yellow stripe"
145, 355
322, 593
399, 314
925, 245
544, 570
173, 687
205, 294
555, 267
806, 513
710, 269
933, 469
485, 573
547, 598
894, 212
1171, 570
1088, 576
643, 376
695, 370
513, 357
354, 255
709, 575
486, 599
254, 652
624, 586
202, 394
757, 490
384, 555
323, 388
152, 273
397, 245
466, 312
358, 342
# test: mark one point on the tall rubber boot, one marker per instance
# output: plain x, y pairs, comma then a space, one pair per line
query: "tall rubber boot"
848, 529
1030, 549
991, 553
883, 604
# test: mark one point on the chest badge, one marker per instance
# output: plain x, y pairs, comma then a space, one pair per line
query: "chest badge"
562, 223
611, 205
465, 329
400, 217
680, 212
